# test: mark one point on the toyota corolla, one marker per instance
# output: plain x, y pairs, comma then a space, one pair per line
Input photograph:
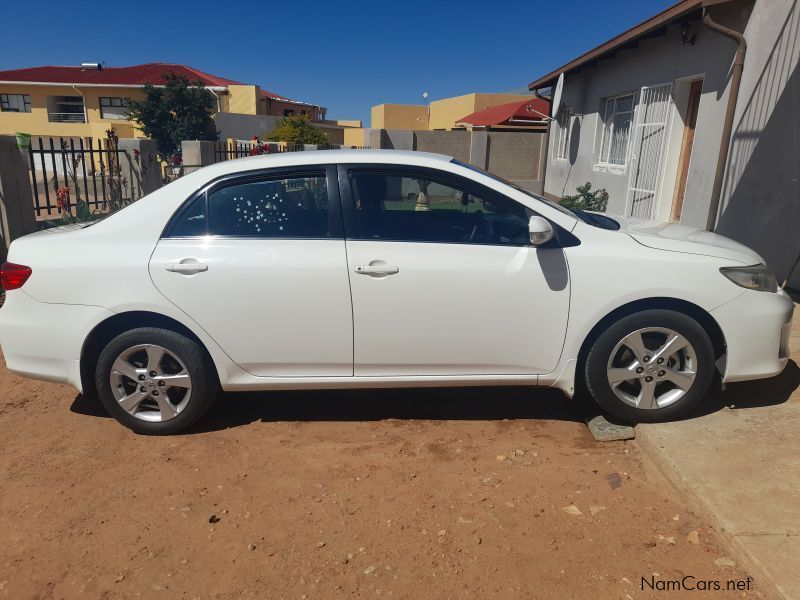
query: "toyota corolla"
344, 269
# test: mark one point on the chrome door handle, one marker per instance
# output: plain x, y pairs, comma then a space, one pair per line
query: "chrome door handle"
376, 269
187, 268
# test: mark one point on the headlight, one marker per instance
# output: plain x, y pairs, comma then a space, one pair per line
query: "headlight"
755, 277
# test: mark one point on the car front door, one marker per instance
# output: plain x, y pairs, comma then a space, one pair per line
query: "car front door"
444, 280
258, 261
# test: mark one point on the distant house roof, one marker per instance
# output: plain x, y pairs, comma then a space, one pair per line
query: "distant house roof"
132, 76
626, 39
530, 111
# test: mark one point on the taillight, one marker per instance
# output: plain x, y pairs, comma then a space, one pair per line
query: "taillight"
13, 276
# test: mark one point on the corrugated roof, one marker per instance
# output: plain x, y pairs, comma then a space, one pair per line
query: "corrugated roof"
532, 109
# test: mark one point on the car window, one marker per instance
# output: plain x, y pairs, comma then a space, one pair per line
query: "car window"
425, 208
191, 221
283, 206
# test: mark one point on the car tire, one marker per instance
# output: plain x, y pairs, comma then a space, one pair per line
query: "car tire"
632, 371
155, 381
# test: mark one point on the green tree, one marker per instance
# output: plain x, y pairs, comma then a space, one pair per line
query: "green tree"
181, 110
586, 199
297, 129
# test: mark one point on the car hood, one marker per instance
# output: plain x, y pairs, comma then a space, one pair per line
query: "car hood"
680, 238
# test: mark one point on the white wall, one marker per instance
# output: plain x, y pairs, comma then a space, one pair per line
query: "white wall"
655, 61
761, 191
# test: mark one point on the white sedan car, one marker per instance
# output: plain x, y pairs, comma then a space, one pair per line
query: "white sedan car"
344, 269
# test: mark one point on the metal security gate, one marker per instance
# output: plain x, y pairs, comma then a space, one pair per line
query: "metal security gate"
647, 159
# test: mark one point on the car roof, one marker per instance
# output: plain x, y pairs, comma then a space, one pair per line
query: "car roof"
315, 157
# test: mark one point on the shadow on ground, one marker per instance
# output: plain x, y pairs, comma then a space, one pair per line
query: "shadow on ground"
473, 403
751, 394
457, 404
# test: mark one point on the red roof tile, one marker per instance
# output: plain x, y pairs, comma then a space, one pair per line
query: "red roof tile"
531, 109
152, 73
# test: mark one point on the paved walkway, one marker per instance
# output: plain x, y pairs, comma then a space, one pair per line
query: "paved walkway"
739, 460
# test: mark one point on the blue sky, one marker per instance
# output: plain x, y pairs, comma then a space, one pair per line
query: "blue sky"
347, 56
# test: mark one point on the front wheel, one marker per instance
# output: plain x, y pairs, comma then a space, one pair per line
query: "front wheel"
650, 366
155, 381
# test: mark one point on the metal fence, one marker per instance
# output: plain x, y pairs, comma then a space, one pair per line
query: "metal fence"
71, 176
231, 150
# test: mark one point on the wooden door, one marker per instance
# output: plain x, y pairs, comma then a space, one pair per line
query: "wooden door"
686, 148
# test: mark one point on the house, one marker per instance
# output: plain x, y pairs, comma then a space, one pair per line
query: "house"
84, 101
439, 115
690, 117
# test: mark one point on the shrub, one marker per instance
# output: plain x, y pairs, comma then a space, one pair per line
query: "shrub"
181, 110
586, 199
297, 129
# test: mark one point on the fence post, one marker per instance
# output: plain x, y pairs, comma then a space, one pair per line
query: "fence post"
143, 171
479, 149
376, 138
196, 154
16, 197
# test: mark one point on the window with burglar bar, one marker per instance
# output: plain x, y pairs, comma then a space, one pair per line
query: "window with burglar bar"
15, 103
617, 123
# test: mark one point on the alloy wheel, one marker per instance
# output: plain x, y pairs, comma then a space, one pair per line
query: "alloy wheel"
150, 383
652, 368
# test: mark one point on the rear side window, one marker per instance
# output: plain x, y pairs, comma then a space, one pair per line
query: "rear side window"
191, 222
284, 206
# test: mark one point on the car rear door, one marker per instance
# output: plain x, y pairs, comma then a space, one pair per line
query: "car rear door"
258, 261
444, 280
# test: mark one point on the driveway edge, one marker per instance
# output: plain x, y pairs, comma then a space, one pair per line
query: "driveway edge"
744, 558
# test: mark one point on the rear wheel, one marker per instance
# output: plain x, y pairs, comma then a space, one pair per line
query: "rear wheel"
650, 366
155, 381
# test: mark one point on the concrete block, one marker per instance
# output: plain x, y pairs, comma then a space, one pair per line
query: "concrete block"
604, 430
197, 154
140, 166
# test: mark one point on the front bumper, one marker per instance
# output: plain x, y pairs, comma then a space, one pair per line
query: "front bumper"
756, 326
44, 341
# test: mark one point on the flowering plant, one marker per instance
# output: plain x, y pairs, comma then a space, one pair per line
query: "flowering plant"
62, 198
258, 147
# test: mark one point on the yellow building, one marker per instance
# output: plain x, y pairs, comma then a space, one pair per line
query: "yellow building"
399, 116
438, 115
86, 101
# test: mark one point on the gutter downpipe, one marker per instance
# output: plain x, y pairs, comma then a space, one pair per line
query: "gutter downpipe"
546, 149
733, 96
85, 113
219, 109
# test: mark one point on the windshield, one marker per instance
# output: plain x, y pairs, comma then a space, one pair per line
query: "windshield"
594, 219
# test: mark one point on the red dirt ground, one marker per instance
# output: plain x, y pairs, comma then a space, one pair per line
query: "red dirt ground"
402, 494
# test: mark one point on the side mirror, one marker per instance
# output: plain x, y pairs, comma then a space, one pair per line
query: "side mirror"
540, 230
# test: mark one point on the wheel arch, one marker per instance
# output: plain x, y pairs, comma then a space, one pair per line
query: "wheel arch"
702, 316
119, 323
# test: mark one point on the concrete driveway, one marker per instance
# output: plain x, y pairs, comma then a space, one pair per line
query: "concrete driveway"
738, 460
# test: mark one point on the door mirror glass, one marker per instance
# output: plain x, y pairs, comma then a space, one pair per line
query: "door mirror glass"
540, 230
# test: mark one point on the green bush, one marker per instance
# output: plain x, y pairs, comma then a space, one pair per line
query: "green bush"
586, 199
180, 110
297, 129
